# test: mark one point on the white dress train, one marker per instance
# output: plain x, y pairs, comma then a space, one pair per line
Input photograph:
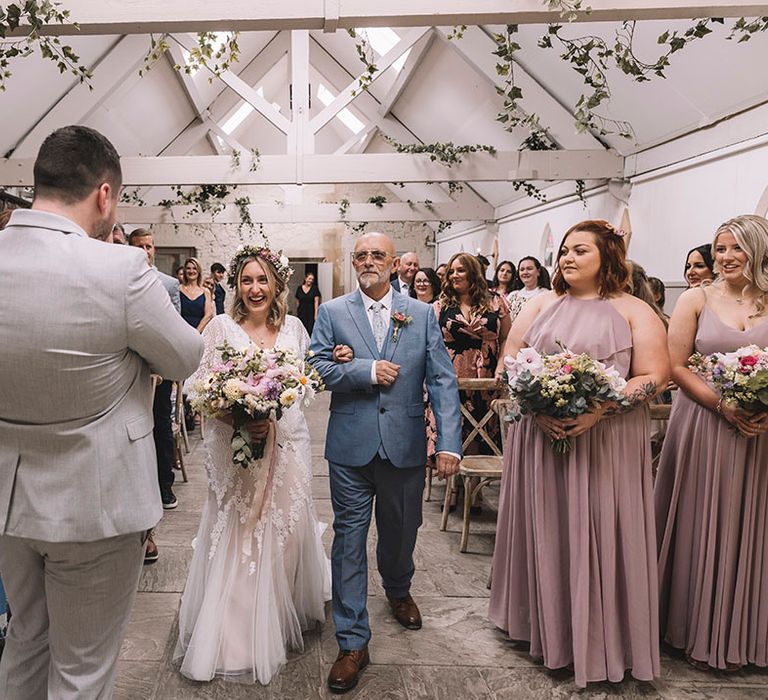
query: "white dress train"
259, 575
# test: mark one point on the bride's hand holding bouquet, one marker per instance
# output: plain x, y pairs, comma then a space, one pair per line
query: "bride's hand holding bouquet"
250, 388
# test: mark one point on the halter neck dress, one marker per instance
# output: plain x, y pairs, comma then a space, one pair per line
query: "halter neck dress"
574, 568
712, 522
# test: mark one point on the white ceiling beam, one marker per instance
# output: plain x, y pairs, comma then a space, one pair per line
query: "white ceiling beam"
120, 64
329, 65
143, 17
236, 83
175, 57
316, 213
417, 53
359, 142
350, 92
367, 167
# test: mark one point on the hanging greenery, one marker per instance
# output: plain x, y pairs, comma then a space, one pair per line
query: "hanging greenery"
447, 153
366, 56
378, 200
32, 16
210, 52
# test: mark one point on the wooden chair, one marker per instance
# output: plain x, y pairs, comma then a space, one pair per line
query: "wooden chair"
180, 442
477, 471
155, 381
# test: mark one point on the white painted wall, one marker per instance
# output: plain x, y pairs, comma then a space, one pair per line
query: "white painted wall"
671, 211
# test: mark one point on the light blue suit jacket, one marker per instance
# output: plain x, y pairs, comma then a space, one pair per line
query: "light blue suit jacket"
365, 417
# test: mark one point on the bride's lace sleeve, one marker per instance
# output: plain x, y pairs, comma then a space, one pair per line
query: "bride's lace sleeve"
213, 337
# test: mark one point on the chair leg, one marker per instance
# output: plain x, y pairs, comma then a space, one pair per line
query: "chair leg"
180, 461
447, 502
428, 484
468, 494
202, 427
184, 435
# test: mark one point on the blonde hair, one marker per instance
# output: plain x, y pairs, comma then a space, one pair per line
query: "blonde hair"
196, 263
751, 233
279, 305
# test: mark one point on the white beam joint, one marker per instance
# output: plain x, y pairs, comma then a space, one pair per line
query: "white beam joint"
331, 23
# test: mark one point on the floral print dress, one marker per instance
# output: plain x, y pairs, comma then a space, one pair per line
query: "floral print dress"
473, 346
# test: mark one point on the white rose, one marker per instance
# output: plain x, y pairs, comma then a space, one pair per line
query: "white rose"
232, 389
289, 397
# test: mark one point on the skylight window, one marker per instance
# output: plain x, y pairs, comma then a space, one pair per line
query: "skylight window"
381, 39
345, 116
237, 118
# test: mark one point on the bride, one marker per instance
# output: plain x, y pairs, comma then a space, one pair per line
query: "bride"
259, 575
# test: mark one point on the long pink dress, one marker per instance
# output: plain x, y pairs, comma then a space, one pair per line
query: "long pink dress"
712, 521
574, 569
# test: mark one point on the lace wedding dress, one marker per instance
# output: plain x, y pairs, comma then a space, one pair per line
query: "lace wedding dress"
259, 575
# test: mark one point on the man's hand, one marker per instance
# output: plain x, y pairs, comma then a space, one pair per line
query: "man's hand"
386, 372
342, 354
446, 464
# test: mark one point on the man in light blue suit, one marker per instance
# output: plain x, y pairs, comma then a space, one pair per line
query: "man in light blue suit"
376, 441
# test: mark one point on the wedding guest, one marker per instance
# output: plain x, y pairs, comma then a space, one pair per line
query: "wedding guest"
196, 304
426, 285
78, 477
484, 265
259, 576
532, 280
179, 274
308, 301
406, 270
574, 567
474, 323
397, 349
440, 271
504, 278
699, 266
712, 482
219, 293
659, 292
641, 289
5, 215
161, 406
118, 234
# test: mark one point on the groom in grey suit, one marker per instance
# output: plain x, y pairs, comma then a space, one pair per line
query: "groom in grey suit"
376, 442
81, 326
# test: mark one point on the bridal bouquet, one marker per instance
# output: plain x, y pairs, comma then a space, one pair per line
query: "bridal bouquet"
741, 376
254, 383
561, 385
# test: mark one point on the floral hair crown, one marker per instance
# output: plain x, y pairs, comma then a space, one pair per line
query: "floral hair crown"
620, 232
277, 259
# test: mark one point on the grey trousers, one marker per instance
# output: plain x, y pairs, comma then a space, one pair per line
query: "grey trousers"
70, 603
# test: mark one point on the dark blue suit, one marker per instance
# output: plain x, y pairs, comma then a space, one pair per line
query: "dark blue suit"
376, 446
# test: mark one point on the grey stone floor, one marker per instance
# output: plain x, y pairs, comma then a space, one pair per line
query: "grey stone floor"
457, 654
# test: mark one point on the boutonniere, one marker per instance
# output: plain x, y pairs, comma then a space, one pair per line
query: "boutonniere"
399, 320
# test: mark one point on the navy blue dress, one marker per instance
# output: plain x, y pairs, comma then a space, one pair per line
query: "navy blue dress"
192, 310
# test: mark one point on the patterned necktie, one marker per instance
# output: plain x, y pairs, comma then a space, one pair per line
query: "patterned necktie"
379, 325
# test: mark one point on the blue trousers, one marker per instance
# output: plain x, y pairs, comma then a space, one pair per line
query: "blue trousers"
398, 495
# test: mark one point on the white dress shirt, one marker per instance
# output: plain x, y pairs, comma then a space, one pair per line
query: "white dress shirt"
405, 288
386, 303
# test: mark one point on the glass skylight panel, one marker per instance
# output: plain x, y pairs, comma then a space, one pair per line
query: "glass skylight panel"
345, 116
381, 39
237, 118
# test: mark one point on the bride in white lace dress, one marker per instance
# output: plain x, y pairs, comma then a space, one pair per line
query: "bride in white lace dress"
259, 575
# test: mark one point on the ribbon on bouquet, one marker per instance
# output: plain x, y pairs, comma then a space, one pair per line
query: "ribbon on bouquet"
262, 484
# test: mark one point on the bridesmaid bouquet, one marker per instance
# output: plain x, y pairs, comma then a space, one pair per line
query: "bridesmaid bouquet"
741, 376
561, 385
254, 383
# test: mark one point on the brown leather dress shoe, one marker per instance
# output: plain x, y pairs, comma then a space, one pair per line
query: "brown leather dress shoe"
405, 612
346, 669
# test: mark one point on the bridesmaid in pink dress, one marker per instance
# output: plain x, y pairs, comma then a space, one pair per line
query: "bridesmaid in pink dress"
712, 487
574, 569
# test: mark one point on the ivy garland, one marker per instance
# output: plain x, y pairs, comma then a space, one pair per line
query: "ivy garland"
209, 52
33, 15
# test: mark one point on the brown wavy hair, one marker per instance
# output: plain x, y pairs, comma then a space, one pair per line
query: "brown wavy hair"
479, 295
614, 276
279, 306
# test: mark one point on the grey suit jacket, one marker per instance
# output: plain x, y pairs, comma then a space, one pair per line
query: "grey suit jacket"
171, 285
82, 324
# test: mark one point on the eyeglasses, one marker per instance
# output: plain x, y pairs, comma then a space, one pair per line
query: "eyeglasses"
360, 256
